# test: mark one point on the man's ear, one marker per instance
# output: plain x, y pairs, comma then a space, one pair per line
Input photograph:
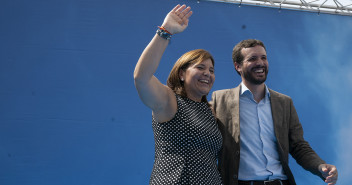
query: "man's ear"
238, 67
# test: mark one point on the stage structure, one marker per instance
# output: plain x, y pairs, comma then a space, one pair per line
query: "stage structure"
337, 7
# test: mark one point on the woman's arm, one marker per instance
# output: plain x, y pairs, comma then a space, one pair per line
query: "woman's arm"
151, 91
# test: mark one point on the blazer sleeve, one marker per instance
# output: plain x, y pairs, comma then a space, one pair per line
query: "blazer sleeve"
299, 148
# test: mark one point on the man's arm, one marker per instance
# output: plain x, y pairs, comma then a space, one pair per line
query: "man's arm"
305, 156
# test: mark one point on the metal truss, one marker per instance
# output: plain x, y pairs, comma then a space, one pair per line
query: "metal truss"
337, 7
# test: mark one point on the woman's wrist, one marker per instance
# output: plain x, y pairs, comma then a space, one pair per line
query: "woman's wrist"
164, 33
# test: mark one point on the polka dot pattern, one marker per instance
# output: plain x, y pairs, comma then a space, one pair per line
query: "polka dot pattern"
186, 147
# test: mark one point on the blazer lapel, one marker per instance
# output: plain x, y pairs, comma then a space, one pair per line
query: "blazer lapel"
234, 104
277, 113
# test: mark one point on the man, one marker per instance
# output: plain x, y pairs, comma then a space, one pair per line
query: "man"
260, 127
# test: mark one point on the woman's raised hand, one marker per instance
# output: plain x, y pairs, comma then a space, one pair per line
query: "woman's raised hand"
176, 20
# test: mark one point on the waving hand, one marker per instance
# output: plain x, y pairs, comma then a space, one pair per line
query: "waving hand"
177, 19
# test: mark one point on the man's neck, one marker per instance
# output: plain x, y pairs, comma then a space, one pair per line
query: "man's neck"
258, 90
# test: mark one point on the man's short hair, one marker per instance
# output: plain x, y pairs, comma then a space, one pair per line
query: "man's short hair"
237, 56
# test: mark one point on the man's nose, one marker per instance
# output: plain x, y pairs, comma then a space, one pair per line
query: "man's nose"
260, 62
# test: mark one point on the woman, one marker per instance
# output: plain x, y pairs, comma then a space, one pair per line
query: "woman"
187, 138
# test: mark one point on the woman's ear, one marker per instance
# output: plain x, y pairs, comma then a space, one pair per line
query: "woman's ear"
181, 75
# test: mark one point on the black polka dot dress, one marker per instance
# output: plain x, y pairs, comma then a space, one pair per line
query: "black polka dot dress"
186, 147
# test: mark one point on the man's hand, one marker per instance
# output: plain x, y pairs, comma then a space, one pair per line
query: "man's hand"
329, 172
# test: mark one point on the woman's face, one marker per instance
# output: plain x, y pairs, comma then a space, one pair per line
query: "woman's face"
198, 79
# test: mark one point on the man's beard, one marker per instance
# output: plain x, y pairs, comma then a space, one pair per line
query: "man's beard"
249, 76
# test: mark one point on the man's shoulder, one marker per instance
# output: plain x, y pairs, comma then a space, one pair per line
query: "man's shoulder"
222, 91
279, 95
226, 91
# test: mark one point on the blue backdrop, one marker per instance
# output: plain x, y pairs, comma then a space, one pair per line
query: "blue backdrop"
69, 112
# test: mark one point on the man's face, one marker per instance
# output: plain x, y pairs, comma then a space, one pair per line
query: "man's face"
255, 66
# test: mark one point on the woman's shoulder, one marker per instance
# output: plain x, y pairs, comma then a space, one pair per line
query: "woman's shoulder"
169, 110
